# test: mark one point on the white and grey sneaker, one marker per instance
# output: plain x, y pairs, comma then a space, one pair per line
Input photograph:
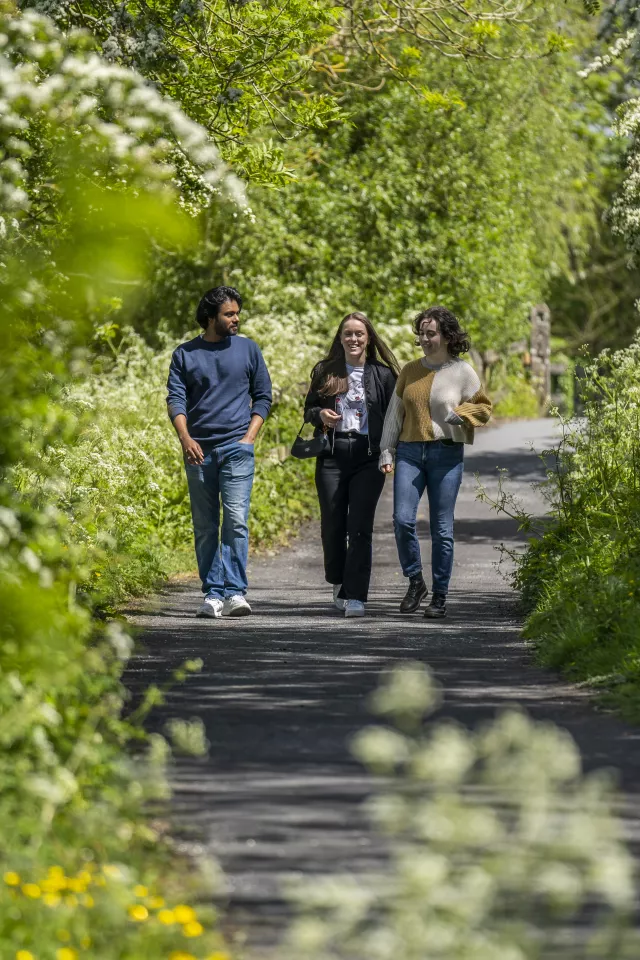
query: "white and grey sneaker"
236, 606
210, 607
354, 608
338, 602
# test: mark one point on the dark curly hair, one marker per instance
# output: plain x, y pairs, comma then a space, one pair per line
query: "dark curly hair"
211, 302
449, 326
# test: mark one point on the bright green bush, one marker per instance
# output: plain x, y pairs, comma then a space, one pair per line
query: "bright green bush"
580, 576
82, 866
496, 843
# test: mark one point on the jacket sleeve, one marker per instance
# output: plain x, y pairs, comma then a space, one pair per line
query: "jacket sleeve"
260, 386
176, 387
389, 386
312, 404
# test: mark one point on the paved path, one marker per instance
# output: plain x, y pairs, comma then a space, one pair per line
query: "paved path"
281, 692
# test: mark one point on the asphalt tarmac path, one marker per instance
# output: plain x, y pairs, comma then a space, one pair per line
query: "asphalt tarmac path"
281, 692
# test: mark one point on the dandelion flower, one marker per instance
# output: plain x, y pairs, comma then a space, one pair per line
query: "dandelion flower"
32, 890
66, 953
52, 899
167, 917
156, 903
12, 879
181, 955
24, 955
140, 891
184, 914
193, 929
138, 912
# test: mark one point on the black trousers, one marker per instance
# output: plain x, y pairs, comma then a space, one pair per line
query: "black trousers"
349, 485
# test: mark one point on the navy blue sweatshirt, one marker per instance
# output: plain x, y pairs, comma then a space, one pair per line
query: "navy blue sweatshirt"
218, 386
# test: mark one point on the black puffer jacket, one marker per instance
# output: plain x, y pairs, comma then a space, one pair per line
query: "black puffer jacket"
379, 384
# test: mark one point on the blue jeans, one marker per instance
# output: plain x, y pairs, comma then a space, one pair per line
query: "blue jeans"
226, 475
437, 467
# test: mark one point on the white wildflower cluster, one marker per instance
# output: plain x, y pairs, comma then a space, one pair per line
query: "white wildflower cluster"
55, 88
625, 210
621, 45
496, 843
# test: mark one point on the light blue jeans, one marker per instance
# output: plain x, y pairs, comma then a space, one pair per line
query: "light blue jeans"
436, 467
226, 477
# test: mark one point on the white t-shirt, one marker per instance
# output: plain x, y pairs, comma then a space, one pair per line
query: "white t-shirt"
352, 405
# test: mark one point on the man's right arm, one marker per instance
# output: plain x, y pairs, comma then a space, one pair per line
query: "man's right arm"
177, 409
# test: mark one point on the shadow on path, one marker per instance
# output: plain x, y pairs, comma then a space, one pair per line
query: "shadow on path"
282, 692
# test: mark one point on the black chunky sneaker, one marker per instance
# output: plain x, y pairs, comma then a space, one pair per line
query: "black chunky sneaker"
437, 607
415, 594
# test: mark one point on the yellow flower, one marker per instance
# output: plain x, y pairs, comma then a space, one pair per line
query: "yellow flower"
156, 903
24, 955
12, 879
66, 953
88, 901
76, 885
56, 872
111, 871
193, 929
167, 917
53, 884
141, 891
181, 955
85, 877
52, 899
138, 912
184, 914
32, 890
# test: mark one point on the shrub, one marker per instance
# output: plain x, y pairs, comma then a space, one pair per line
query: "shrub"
580, 576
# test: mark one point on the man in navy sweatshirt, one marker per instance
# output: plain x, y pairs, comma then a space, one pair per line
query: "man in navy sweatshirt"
219, 395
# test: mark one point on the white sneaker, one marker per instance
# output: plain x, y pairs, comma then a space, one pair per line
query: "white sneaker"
236, 606
210, 607
338, 602
354, 608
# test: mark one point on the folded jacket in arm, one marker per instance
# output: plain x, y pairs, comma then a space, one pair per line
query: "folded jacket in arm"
218, 387
442, 403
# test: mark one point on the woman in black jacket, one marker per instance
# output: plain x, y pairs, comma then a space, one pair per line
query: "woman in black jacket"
349, 394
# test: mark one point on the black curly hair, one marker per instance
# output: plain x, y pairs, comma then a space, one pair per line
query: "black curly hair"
449, 326
211, 302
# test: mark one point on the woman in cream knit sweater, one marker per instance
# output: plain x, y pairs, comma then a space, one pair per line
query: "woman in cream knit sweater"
437, 403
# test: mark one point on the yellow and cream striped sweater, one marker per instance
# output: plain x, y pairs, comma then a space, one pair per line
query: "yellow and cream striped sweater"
434, 403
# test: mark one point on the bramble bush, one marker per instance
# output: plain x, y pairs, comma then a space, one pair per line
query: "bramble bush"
497, 844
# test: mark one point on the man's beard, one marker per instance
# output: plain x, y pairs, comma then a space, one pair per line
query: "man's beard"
224, 330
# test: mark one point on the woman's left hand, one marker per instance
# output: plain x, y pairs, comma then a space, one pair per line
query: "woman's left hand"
387, 468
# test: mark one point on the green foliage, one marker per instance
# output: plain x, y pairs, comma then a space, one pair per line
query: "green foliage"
580, 576
496, 843
83, 868
406, 206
